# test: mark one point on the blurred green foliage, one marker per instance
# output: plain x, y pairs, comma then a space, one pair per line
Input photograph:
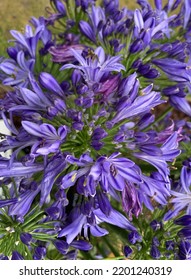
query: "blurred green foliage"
15, 15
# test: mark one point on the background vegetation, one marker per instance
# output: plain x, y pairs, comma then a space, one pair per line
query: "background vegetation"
16, 14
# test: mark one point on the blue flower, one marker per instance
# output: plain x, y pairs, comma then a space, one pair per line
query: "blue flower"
87, 30
50, 83
29, 40
89, 174
95, 66
146, 30
55, 166
98, 18
130, 200
73, 229
16, 256
185, 233
134, 237
170, 245
50, 139
176, 70
17, 71
36, 102
154, 188
18, 169
60, 7
181, 104
139, 105
89, 144
155, 225
81, 221
81, 245
127, 251
154, 252
184, 250
21, 208
184, 220
62, 246
7, 202
39, 253
56, 210
115, 172
169, 152
187, 12
114, 218
26, 238
181, 199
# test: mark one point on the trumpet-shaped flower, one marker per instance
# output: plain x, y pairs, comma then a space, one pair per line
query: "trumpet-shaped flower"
50, 139
95, 65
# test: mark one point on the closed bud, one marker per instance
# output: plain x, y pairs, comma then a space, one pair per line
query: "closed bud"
127, 251
60, 7
155, 253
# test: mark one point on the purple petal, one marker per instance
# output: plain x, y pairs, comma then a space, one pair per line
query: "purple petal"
38, 90
23, 205
26, 238
74, 160
87, 30
16, 256
101, 54
181, 104
31, 98
158, 4
6, 202
70, 66
184, 178
9, 68
49, 148
117, 182
32, 42
62, 246
151, 150
81, 245
48, 130
73, 229
138, 20
39, 253
32, 128
98, 231
115, 218
91, 185
50, 83
19, 169
187, 12
62, 132
158, 162
19, 37
21, 61
129, 174
121, 162
69, 179
171, 143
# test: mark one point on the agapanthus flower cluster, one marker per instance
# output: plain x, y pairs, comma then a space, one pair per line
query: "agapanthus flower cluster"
98, 109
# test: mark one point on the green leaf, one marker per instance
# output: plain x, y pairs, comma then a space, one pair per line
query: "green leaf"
43, 236
48, 225
29, 219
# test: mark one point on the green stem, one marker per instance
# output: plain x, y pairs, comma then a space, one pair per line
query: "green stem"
111, 247
7, 216
117, 258
25, 225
